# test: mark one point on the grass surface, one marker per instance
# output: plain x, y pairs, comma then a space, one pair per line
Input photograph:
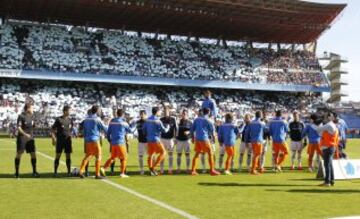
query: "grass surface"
291, 194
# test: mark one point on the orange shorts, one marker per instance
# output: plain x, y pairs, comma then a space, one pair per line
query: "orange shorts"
203, 147
155, 148
230, 151
280, 147
118, 151
257, 148
314, 147
93, 148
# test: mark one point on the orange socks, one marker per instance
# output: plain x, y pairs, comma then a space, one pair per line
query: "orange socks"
228, 162
108, 163
83, 164
150, 161
194, 163
159, 159
310, 161
97, 167
123, 165
211, 161
281, 159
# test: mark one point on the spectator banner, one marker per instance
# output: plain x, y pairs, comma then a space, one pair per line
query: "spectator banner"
343, 169
10, 73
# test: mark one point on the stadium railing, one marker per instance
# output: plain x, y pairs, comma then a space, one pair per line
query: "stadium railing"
85, 77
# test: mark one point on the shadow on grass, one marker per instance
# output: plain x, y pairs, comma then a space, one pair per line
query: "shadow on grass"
247, 184
63, 175
318, 191
306, 179
42, 176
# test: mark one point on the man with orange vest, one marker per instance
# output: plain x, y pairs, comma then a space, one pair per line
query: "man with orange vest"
329, 140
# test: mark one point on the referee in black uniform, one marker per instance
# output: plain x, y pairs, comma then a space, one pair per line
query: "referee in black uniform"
25, 139
61, 138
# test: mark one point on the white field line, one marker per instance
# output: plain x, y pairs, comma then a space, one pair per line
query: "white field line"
130, 191
348, 217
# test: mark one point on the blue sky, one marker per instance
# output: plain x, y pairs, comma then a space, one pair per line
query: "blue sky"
344, 38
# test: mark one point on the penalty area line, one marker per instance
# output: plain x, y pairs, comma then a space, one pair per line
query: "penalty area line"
128, 190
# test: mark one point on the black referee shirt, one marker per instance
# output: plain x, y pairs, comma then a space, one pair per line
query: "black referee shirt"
171, 121
62, 126
141, 134
184, 125
26, 122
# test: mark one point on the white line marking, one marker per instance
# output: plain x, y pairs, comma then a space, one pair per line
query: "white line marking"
349, 217
149, 199
130, 191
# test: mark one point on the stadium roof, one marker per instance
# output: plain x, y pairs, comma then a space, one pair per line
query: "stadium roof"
278, 21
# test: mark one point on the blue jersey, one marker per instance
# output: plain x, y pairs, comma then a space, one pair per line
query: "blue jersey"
210, 104
311, 132
227, 134
117, 130
202, 127
256, 130
153, 128
93, 126
278, 129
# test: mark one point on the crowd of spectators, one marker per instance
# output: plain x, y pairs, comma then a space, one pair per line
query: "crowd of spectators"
50, 97
63, 49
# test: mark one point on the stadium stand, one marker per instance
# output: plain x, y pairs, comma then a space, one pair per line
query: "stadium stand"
58, 48
50, 97
35, 41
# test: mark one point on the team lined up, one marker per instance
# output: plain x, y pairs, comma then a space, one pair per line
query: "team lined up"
158, 136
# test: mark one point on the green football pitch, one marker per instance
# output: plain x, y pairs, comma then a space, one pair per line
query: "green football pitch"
291, 194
